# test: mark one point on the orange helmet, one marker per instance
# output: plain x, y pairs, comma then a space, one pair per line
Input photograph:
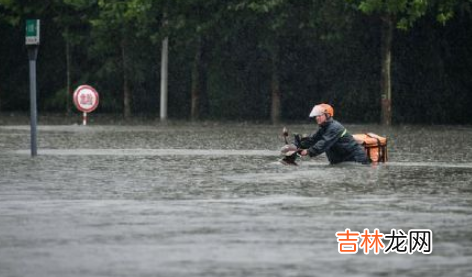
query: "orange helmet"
322, 109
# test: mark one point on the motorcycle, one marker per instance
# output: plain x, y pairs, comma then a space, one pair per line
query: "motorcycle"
291, 151
374, 145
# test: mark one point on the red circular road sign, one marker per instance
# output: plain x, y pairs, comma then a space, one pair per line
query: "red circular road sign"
86, 98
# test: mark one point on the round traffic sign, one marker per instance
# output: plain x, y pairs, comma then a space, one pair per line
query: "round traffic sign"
86, 98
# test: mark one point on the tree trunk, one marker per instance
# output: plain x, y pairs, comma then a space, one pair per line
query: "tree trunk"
275, 90
68, 74
198, 82
386, 78
126, 90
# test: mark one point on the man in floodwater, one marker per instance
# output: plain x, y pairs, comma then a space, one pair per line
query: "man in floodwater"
332, 138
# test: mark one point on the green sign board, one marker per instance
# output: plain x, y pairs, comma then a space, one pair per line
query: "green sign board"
32, 31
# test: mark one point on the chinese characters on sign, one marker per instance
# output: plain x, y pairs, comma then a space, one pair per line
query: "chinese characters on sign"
416, 240
86, 99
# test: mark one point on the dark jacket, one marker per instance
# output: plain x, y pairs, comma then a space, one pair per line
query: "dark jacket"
339, 145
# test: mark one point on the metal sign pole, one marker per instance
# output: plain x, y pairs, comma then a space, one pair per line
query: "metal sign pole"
32, 54
32, 42
164, 77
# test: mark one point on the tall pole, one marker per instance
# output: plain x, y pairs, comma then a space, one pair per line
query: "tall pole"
32, 44
164, 77
386, 79
32, 55
68, 76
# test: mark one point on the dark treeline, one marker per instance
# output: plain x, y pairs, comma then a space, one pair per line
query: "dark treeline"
248, 59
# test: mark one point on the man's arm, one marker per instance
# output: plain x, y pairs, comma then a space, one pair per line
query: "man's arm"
325, 142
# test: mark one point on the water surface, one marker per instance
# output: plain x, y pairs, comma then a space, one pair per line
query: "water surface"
212, 200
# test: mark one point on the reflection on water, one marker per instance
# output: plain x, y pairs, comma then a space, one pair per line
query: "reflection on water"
191, 200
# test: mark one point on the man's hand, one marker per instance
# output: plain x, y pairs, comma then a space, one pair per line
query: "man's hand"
304, 152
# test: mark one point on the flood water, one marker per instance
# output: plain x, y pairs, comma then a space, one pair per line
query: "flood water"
212, 200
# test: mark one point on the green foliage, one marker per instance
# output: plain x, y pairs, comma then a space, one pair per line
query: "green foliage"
327, 51
408, 12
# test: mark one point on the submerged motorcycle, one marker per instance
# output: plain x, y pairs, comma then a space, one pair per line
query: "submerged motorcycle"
374, 145
291, 151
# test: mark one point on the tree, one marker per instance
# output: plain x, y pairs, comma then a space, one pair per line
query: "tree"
271, 17
189, 22
277, 24
194, 23
399, 14
115, 32
71, 16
